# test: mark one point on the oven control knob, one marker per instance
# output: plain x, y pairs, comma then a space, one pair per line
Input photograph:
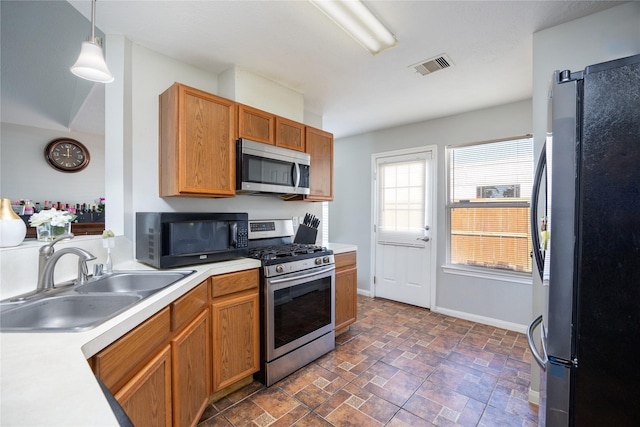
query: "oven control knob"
280, 268
318, 261
326, 259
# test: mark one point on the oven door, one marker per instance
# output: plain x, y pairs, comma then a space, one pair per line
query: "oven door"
299, 308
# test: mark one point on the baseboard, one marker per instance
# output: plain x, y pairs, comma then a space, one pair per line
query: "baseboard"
364, 293
482, 319
534, 397
510, 326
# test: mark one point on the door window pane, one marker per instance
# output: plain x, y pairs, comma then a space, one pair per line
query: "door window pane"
402, 196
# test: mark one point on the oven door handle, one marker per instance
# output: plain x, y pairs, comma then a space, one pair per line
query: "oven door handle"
301, 276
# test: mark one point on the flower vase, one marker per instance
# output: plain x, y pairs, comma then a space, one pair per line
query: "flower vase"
47, 232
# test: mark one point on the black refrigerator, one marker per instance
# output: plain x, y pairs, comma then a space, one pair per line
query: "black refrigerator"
590, 329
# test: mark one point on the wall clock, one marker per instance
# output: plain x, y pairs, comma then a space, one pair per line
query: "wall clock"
67, 155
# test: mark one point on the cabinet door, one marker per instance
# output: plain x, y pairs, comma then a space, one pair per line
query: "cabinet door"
256, 125
236, 338
146, 398
116, 364
197, 143
320, 148
290, 134
346, 297
190, 351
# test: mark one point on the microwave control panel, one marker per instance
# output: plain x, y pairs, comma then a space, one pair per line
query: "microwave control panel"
242, 235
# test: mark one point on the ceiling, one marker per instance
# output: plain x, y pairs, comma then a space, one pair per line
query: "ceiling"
294, 44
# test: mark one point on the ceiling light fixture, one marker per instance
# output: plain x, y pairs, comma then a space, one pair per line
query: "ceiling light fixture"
358, 21
91, 64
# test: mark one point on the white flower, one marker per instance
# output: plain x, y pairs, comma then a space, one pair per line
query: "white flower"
55, 217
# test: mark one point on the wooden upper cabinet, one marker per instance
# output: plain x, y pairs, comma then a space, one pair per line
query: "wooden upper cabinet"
290, 134
256, 125
320, 147
197, 143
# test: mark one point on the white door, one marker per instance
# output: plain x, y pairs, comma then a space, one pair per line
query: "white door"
403, 225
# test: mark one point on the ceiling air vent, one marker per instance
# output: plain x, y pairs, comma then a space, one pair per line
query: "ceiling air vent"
432, 65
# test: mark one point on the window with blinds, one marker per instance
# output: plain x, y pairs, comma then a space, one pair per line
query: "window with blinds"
489, 193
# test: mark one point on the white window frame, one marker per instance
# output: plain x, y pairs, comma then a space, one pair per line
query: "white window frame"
468, 270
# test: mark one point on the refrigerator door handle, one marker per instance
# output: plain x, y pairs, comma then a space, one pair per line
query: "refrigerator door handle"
540, 359
535, 194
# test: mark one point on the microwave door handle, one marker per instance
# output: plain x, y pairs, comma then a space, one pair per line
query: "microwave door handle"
296, 176
233, 235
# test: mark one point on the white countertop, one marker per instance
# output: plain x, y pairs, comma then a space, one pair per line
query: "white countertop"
45, 378
339, 248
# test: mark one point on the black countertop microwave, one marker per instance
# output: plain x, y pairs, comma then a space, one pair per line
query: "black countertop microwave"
175, 239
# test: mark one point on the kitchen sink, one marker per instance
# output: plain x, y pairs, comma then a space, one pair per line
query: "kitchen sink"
79, 307
67, 312
141, 282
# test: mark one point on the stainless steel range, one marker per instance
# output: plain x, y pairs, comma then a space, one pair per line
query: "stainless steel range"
297, 299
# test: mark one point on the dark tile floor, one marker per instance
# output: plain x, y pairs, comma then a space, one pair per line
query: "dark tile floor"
399, 365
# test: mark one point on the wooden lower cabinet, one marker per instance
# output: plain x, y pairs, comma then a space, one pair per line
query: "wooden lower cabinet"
191, 361
160, 371
165, 371
346, 289
146, 398
235, 328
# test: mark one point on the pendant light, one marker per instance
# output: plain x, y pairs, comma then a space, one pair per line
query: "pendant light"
91, 64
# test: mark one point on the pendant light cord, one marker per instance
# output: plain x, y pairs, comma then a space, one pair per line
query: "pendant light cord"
93, 22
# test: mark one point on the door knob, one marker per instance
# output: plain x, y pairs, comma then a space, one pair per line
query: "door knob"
424, 239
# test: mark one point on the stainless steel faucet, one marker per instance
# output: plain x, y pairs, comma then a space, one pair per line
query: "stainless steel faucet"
48, 259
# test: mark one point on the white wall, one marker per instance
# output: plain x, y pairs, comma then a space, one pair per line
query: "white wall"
507, 303
140, 156
25, 174
262, 93
611, 34
131, 172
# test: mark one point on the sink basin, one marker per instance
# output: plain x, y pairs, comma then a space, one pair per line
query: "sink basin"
68, 312
81, 307
142, 283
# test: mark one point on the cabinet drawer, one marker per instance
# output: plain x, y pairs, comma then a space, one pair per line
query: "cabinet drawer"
115, 364
224, 284
345, 259
188, 306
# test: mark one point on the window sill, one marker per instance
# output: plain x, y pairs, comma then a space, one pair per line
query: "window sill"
520, 278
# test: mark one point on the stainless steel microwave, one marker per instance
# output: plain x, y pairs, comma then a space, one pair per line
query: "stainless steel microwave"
175, 239
264, 168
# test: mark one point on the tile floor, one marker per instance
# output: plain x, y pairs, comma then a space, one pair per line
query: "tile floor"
399, 365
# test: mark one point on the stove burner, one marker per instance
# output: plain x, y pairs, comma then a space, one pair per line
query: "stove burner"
292, 250
284, 251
